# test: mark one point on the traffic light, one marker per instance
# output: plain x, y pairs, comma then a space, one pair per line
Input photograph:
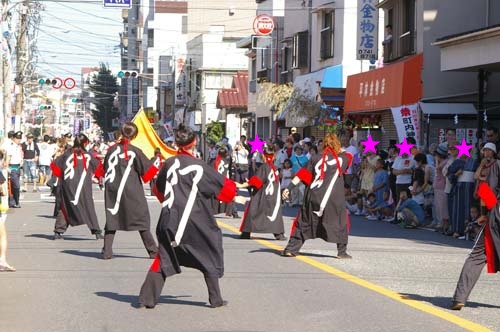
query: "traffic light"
45, 107
127, 74
76, 100
54, 82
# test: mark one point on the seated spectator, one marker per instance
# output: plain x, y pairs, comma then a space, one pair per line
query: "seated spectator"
351, 200
387, 207
372, 208
472, 228
409, 213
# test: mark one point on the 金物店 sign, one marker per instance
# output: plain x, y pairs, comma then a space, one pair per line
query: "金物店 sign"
367, 30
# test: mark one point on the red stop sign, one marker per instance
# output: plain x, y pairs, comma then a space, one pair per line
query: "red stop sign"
263, 25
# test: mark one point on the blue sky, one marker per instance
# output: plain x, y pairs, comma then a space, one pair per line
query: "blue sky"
75, 35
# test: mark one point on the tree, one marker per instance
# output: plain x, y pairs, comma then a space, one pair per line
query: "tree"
301, 107
104, 88
215, 132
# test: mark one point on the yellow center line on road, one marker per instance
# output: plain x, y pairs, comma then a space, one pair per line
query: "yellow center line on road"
464, 323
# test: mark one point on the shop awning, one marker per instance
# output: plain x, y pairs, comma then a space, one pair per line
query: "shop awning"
332, 77
391, 86
332, 91
447, 108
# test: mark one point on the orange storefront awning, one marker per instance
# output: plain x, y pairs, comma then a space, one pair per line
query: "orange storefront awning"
393, 85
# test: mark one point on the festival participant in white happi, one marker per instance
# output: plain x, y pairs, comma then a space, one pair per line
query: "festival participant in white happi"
323, 214
75, 169
126, 207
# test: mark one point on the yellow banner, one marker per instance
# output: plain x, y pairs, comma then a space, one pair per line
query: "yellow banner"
147, 139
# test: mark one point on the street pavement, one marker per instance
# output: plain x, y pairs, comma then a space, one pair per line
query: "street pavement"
398, 280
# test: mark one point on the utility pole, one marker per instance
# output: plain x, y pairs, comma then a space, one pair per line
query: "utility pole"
21, 60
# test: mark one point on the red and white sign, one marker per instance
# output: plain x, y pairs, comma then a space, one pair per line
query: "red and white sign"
69, 83
263, 25
58, 84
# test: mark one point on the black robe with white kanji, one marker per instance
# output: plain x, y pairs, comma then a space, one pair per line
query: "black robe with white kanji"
263, 214
124, 197
323, 214
75, 183
187, 232
222, 166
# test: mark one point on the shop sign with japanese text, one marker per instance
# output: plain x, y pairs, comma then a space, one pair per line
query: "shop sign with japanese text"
367, 30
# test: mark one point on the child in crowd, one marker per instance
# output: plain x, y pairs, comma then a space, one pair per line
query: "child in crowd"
351, 200
409, 213
472, 228
372, 207
387, 207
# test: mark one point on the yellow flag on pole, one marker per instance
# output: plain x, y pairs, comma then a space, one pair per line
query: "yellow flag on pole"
147, 140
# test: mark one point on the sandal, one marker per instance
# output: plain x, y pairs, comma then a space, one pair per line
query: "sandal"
7, 268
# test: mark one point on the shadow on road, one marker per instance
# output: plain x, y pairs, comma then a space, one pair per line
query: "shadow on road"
310, 254
364, 228
134, 299
445, 302
97, 255
66, 238
266, 250
231, 235
278, 252
46, 216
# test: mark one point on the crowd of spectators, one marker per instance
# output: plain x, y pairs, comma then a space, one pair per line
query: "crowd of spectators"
432, 188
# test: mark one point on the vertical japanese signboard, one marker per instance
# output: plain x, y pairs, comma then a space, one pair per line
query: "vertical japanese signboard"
407, 121
180, 82
367, 30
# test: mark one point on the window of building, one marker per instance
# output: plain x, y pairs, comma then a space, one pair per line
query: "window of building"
198, 81
254, 69
263, 127
264, 58
300, 53
401, 16
218, 80
151, 38
285, 59
408, 35
327, 34
184, 25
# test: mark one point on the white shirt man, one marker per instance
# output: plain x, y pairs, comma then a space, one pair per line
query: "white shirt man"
403, 169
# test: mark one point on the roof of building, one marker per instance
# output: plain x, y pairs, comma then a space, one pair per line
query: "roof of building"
86, 70
466, 33
237, 96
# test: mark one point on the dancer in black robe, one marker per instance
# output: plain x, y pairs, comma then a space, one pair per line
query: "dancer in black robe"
323, 213
157, 160
263, 213
486, 250
126, 168
75, 169
222, 165
187, 232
